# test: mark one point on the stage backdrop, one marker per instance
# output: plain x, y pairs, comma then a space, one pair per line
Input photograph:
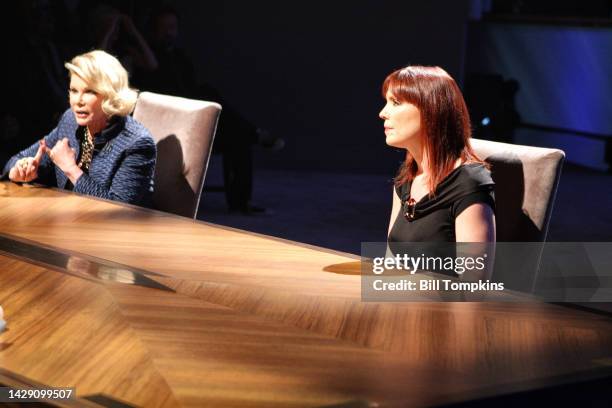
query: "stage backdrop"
311, 71
564, 78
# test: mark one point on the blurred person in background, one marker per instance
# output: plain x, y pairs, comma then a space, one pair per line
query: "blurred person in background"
235, 137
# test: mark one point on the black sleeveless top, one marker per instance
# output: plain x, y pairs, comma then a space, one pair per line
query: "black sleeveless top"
434, 217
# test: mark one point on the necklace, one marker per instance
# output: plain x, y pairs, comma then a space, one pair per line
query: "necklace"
87, 148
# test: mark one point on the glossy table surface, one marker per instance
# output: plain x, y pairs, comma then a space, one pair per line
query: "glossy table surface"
157, 310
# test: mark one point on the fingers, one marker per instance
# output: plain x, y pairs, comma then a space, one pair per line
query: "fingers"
26, 169
17, 173
14, 174
69, 148
20, 174
41, 151
31, 171
62, 154
29, 164
22, 163
48, 152
22, 166
59, 146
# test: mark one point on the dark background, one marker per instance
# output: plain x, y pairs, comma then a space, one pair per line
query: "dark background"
310, 72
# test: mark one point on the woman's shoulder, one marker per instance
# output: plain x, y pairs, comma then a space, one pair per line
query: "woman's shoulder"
67, 119
473, 175
465, 180
473, 184
66, 125
137, 131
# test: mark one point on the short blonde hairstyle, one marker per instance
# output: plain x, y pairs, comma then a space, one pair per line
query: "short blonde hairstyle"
105, 75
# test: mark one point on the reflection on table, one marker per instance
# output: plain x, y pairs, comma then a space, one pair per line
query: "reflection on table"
158, 310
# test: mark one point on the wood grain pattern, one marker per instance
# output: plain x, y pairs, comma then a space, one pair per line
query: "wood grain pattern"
255, 321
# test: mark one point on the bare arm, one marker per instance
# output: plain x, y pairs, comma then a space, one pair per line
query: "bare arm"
397, 204
395, 208
475, 224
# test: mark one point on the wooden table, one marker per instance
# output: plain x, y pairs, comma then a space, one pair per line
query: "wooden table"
158, 310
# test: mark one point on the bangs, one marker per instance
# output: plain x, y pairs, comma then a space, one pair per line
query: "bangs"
84, 68
403, 86
104, 74
445, 120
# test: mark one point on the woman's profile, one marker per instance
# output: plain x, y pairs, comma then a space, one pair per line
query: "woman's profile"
443, 192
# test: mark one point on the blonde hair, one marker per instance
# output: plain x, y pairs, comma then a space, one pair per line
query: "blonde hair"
105, 75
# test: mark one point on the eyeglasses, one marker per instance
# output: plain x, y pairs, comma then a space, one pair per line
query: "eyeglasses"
410, 207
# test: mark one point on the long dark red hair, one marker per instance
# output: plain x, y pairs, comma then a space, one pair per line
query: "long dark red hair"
444, 117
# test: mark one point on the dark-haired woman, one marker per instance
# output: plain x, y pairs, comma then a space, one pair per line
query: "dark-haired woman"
443, 191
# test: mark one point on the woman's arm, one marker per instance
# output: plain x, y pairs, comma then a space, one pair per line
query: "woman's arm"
475, 224
26, 168
41, 167
64, 156
395, 209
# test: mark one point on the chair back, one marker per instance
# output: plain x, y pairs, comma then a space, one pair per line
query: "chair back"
526, 180
184, 131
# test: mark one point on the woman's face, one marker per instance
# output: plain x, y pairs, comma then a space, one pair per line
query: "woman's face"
402, 122
86, 104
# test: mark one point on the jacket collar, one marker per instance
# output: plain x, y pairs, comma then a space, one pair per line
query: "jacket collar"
115, 125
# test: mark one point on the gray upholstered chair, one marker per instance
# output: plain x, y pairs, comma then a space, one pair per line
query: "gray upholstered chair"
526, 180
184, 131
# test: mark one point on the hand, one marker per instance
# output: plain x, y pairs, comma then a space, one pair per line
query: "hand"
26, 169
64, 157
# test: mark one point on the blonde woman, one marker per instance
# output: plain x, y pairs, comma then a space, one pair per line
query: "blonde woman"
96, 148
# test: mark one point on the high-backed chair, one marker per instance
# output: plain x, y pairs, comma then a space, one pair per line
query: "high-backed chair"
526, 180
184, 131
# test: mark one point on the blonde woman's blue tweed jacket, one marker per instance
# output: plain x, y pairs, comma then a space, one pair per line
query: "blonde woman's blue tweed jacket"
121, 168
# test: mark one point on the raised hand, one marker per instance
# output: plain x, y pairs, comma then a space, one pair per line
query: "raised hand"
64, 157
62, 154
26, 169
